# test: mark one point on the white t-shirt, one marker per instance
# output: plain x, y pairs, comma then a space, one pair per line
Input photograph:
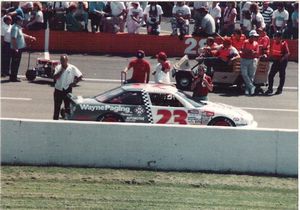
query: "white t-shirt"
280, 17
39, 17
116, 8
247, 24
138, 13
184, 10
67, 77
158, 8
215, 12
259, 18
5, 31
160, 76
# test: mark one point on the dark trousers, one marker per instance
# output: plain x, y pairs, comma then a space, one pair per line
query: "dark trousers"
59, 97
5, 57
15, 63
96, 22
277, 66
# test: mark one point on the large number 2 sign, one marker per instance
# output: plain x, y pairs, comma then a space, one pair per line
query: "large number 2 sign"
192, 47
179, 116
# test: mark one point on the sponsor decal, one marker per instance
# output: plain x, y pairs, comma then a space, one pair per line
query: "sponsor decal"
134, 119
139, 110
114, 108
208, 113
193, 111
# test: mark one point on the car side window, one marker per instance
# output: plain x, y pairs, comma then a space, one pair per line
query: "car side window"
164, 99
128, 98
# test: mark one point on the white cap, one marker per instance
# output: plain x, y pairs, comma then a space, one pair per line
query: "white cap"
253, 33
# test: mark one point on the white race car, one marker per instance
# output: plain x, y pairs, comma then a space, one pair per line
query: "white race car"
155, 103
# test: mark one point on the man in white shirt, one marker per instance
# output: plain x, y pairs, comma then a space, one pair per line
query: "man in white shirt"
216, 12
279, 18
66, 76
162, 70
152, 17
181, 19
118, 12
5, 45
134, 18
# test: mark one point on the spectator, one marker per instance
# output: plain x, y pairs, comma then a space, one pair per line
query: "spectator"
181, 19
207, 26
152, 16
267, 13
263, 43
81, 14
72, 23
223, 58
119, 14
279, 54
229, 19
162, 70
238, 39
134, 19
279, 18
5, 45
196, 14
249, 55
96, 13
18, 44
66, 76
57, 15
295, 21
141, 69
246, 7
201, 85
216, 13
37, 23
257, 19
21, 11
246, 25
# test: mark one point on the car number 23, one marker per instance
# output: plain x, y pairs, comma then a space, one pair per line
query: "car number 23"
173, 116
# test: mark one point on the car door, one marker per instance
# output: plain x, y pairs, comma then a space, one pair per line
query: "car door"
167, 109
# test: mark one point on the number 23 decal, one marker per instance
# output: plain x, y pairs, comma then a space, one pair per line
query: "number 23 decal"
179, 116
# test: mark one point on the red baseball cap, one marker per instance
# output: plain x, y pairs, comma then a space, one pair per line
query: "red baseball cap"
162, 56
140, 54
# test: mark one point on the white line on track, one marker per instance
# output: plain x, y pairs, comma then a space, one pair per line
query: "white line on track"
13, 98
266, 109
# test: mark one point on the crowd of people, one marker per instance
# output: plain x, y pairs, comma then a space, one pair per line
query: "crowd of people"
209, 18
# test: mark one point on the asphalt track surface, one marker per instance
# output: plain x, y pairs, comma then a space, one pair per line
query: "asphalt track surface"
34, 100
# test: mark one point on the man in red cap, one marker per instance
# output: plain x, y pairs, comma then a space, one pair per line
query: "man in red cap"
141, 69
162, 69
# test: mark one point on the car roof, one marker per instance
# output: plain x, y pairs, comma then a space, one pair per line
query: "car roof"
150, 87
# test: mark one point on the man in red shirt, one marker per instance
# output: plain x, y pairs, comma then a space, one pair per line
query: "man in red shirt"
141, 69
249, 54
201, 85
279, 55
263, 43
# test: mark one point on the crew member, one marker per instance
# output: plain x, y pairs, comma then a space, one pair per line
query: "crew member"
66, 76
162, 70
141, 69
279, 54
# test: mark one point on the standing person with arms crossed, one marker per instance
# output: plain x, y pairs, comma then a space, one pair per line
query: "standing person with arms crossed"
141, 69
17, 46
66, 76
201, 85
279, 54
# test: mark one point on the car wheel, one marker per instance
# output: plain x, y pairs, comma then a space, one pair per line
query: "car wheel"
30, 75
222, 121
110, 117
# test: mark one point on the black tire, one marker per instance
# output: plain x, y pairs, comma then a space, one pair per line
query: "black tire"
30, 75
183, 80
110, 117
49, 72
221, 121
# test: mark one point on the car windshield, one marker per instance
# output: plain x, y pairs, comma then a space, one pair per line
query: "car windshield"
109, 94
190, 99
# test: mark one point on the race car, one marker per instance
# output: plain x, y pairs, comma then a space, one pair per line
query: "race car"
156, 104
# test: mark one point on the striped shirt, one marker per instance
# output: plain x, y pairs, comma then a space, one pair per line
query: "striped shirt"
267, 14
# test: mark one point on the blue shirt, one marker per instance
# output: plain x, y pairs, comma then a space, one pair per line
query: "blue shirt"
17, 33
96, 6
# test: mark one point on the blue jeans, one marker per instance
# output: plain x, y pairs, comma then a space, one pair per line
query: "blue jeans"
248, 70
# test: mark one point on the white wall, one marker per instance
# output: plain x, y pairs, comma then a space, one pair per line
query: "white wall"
193, 148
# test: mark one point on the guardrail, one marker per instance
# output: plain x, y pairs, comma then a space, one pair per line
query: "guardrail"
155, 147
124, 43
